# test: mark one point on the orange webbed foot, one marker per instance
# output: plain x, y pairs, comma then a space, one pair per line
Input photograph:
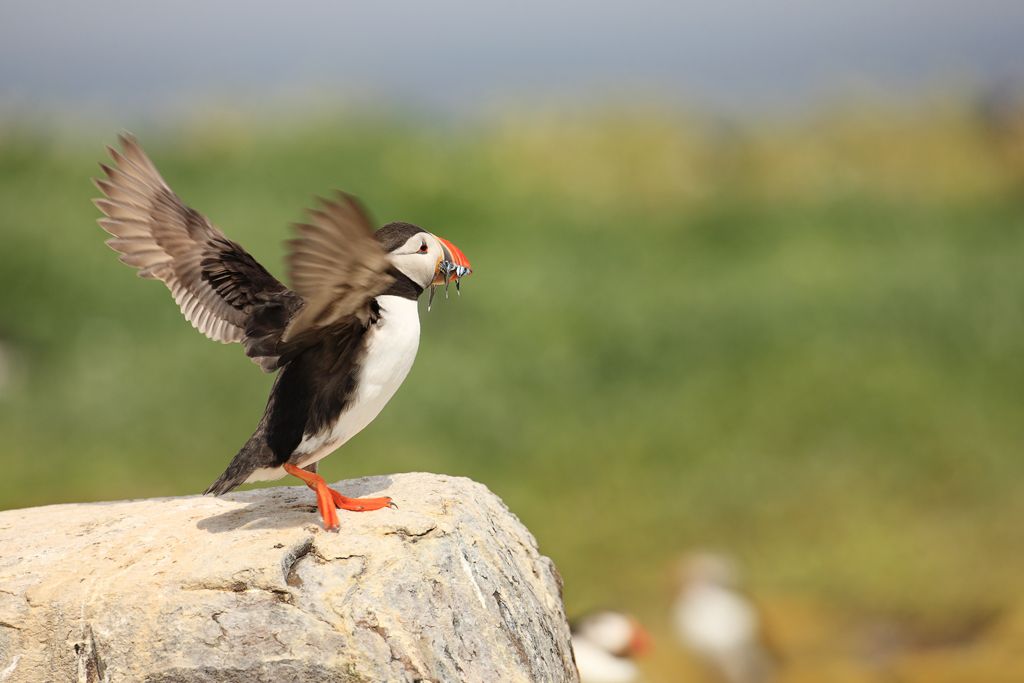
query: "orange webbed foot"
329, 501
359, 504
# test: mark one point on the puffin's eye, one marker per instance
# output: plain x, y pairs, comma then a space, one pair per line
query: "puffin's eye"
423, 247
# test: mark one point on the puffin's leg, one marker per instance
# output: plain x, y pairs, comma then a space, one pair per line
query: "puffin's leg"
353, 504
324, 500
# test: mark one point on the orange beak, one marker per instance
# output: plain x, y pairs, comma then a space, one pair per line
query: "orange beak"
640, 642
453, 266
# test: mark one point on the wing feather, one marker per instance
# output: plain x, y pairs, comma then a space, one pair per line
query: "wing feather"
336, 265
217, 285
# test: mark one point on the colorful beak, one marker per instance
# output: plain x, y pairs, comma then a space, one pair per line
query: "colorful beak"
640, 642
453, 266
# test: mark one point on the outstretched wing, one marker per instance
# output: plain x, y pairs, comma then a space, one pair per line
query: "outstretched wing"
222, 290
336, 265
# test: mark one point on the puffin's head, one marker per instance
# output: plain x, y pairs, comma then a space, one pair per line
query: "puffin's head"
424, 258
708, 569
614, 632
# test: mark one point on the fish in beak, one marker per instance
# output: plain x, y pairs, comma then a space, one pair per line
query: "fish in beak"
453, 266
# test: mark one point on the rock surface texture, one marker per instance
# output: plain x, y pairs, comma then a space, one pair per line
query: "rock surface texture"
248, 587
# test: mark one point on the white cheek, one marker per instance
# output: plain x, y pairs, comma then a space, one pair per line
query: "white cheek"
429, 265
419, 267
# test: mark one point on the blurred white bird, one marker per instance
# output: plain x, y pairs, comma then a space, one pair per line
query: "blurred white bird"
719, 624
605, 643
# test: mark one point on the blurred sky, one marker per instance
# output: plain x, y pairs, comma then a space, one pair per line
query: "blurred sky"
452, 55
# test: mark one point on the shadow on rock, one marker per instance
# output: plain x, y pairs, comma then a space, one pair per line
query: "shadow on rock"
284, 507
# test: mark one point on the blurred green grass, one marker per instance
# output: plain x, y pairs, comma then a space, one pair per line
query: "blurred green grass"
798, 342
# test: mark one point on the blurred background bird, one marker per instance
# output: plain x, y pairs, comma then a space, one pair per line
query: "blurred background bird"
716, 621
605, 644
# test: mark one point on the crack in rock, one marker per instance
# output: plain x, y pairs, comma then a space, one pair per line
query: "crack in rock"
291, 560
402, 659
91, 668
509, 626
238, 586
409, 535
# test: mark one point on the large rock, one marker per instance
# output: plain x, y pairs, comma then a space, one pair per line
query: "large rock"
248, 587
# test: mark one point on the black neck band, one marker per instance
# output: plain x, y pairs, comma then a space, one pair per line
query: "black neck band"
402, 286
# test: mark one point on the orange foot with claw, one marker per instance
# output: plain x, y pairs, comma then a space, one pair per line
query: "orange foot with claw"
328, 501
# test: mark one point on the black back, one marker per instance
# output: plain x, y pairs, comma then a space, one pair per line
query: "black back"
314, 387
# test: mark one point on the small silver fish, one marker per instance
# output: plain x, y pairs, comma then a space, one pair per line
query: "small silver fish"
449, 271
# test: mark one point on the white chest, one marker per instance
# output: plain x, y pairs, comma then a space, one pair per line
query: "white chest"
390, 351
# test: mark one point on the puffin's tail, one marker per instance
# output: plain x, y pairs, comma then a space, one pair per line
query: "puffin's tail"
226, 482
245, 462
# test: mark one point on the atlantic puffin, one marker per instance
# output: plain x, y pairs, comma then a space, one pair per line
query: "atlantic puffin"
605, 644
341, 340
720, 624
